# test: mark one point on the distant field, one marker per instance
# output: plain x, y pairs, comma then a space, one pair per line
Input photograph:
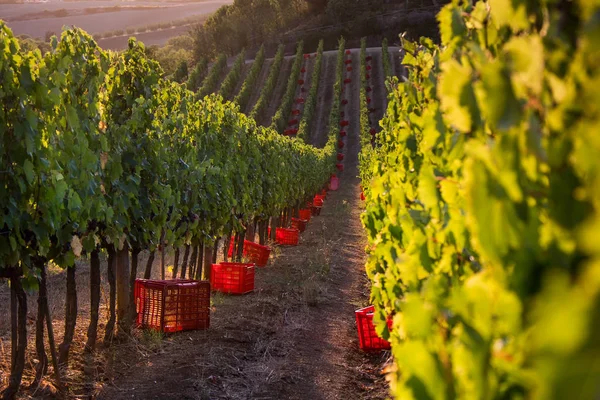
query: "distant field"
149, 38
101, 22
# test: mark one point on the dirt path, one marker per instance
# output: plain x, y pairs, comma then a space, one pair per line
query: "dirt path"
327, 356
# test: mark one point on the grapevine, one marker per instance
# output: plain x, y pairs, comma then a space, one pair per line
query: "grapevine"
269, 86
197, 75
279, 119
212, 79
244, 95
482, 202
232, 78
311, 99
101, 151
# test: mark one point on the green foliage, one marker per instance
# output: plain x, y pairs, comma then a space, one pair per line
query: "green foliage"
267, 90
334, 116
242, 24
172, 55
311, 99
280, 118
197, 75
232, 78
385, 57
483, 206
49, 147
365, 155
99, 147
210, 82
181, 73
244, 95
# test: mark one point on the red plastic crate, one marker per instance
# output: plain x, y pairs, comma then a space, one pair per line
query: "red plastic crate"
172, 306
287, 236
299, 224
316, 210
232, 278
256, 253
340, 156
367, 337
334, 183
339, 166
318, 201
304, 213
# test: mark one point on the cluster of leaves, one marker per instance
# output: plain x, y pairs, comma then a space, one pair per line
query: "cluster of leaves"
483, 206
246, 90
50, 147
97, 147
269, 86
232, 78
385, 57
212, 79
334, 115
311, 99
197, 75
280, 118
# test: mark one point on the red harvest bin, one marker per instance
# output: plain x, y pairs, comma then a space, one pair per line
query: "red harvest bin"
304, 213
287, 236
256, 253
299, 224
318, 201
340, 156
172, 306
367, 336
233, 278
339, 166
334, 183
316, 210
